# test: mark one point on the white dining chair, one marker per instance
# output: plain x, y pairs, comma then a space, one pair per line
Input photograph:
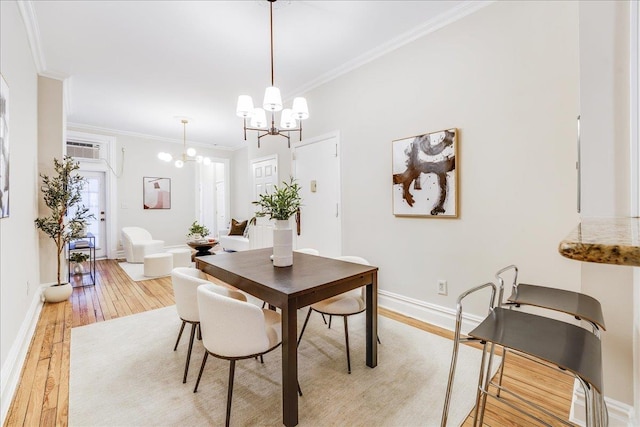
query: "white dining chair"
344, 305
234, 330
185, 282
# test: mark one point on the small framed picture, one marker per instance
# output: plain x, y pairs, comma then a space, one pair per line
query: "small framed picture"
425, 178
156, 192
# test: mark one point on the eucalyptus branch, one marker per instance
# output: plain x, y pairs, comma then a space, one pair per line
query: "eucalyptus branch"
282, 203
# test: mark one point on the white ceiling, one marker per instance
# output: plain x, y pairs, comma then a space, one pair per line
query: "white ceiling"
137, 66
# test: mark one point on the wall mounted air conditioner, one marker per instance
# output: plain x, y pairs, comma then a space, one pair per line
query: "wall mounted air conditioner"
84, 150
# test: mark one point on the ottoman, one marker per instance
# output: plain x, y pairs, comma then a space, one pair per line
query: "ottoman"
156, 265
181, 257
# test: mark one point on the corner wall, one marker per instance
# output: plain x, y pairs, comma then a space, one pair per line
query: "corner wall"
507, 78
19, 290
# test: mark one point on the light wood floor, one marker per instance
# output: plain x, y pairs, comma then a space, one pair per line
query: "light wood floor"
42, 397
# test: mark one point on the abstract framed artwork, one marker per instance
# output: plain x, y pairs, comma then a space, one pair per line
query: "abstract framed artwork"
156, 192
4, 148
425, 176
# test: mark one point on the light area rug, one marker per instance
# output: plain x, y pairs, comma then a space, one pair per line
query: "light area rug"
136, 271
124, 372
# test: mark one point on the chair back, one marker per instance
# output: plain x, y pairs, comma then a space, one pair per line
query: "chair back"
185, 281
136, 234
131, 235
231, 328
356, 260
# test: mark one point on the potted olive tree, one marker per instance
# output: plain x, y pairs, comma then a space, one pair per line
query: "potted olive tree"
67, 218
279, 205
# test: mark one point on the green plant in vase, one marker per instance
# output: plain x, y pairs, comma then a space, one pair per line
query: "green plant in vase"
280, 205
67, 218
78, 258
197, 231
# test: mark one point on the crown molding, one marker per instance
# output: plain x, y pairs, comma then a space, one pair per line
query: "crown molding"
90, 128
33, 33
442, 20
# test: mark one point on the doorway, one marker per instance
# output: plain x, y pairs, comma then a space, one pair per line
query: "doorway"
316, 167
93, 197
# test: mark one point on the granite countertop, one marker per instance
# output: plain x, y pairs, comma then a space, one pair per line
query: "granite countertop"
604, 240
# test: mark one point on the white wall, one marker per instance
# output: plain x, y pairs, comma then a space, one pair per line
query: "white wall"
604, 106
19, 270
51, 144
240, 185
140, 160
507, 78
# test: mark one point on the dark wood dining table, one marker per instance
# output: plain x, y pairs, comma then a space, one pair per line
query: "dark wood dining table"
310, 279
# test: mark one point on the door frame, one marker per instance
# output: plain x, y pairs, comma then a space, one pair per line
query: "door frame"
315, 140
111, 183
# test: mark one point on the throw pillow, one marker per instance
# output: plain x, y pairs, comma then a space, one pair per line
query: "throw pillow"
237, 228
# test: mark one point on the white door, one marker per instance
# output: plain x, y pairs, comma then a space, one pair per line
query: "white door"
265, 175
93, 197
316, 167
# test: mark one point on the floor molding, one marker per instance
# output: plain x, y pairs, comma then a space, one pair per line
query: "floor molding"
12, 367
437, 315
620, 414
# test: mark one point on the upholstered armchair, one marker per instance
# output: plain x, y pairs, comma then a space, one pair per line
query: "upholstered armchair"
137, 242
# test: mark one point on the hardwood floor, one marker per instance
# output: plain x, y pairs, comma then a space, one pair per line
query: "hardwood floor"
42, 397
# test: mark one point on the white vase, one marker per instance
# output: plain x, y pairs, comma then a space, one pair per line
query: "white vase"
282, 244
78, 268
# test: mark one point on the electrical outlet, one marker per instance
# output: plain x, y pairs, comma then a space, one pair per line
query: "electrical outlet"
442, 287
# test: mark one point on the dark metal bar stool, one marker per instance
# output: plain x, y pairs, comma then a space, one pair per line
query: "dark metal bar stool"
580, 306
457, 339
553, 343
569, 347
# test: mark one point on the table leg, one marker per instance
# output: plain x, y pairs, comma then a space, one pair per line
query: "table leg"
289, 367
372, 321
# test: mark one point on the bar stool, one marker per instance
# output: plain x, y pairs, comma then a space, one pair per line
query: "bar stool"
573, 349
581, 306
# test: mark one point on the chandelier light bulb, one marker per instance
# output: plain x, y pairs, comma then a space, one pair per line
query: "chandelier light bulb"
259, 118
300, 108
179, 163
245, 106
191, 152
272, 99
287, 121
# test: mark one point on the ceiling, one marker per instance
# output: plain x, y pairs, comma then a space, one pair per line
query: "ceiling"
137, 67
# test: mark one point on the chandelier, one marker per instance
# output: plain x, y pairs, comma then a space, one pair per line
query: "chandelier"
188, 154
272, 102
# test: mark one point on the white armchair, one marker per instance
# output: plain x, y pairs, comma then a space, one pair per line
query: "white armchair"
137, 242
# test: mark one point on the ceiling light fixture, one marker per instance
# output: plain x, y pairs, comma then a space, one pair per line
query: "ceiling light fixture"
272, 102
188, 154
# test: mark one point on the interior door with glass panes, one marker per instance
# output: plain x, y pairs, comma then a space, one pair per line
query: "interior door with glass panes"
93, 197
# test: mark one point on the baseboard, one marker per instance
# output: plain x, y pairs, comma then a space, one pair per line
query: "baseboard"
437, 315
620, 414
12, 367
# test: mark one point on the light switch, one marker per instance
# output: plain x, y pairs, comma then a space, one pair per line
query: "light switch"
313, 186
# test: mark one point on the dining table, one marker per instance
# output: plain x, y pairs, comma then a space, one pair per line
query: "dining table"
310, 279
